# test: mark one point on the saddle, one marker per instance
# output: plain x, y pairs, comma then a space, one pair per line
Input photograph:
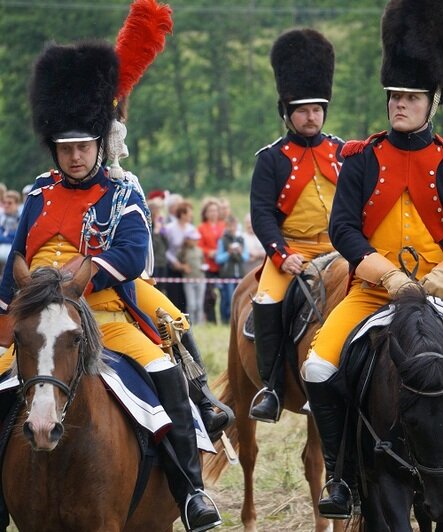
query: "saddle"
303, 302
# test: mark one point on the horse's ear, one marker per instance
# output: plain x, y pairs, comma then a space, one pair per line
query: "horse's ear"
20, 270
77, 285
397, 354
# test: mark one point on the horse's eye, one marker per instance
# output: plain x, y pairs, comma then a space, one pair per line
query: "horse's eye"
77, 339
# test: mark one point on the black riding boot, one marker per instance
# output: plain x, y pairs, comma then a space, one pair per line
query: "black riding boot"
187, 490
215, 422
268, 331
329, 412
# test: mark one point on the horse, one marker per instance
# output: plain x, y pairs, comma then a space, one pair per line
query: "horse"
74, 464
403, 409
241, 382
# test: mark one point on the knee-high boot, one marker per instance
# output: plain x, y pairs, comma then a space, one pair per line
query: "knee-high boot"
329, 412
268, 331
215, 422
187, 485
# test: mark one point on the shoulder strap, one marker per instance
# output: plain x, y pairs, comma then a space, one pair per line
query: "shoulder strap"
357, 146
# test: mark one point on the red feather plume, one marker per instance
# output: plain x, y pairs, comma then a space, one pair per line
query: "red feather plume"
140, 39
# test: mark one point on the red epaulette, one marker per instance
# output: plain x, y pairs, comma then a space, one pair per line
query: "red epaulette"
439, 138
357, 146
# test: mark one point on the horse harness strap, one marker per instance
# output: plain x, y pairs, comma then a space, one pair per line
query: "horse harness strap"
68, 389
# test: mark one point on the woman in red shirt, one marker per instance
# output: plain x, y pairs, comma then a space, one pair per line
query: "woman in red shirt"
211, 229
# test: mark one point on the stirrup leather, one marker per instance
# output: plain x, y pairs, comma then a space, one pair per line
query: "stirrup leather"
255, 399
343, 515
190, 496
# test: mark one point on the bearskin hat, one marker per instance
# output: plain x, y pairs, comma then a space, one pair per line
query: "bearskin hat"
303, 64
73, 88
412, 45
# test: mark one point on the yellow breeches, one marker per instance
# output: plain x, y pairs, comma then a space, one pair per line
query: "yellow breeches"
118, 331
150, 298
274, 283
360, 302
119, 336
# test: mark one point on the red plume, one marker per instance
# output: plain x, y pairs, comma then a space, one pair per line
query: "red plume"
140, 39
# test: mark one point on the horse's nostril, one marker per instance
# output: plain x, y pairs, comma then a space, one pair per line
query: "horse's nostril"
27, 431
57, 432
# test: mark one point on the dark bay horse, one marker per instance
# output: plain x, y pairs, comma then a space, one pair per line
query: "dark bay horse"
74, 465
241, 382
405, 411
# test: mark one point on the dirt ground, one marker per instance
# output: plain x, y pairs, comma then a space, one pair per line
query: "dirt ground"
281, 492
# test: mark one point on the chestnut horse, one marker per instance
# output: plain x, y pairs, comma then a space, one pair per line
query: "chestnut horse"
76, 472
242, 382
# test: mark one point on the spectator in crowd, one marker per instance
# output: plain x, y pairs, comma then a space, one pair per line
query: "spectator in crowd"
231, 256
211, 230
225, 209
255, 249
3, 189
192, 256
172, 201
175, 234
8, 223
159, 241
25, 191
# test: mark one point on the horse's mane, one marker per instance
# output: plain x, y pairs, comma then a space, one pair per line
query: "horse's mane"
418, 328
45, 288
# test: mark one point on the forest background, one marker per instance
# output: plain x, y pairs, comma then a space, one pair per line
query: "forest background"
208, 103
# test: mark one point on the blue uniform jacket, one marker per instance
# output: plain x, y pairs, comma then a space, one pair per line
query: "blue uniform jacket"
119, 265
357, 180
271, 172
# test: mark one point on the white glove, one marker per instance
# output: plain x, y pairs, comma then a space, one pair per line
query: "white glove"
432, 282
396, 281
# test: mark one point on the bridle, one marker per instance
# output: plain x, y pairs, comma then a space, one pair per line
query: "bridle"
414, 468
68, 389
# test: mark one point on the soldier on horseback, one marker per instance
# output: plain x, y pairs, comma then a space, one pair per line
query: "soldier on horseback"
389, 195
292, 188
80, 210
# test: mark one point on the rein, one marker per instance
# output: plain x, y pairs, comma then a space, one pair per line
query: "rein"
68, 389
386, 446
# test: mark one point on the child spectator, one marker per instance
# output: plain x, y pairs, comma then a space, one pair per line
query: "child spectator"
192, 256
231, 256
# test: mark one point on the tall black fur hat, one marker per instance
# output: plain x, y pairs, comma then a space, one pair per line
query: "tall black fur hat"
72, 90
303, 63
412, 45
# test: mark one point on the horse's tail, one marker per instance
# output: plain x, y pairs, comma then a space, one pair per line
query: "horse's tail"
215, 464
355, 524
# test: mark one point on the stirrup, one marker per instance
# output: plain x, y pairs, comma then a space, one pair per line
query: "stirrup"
190, 496
259, 394
343, 515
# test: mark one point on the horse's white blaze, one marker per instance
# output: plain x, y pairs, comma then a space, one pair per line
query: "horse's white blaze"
54, 320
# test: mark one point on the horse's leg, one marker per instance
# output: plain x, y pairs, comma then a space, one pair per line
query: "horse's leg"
248, 451
372, 511
396, 501
243, 391
423, 519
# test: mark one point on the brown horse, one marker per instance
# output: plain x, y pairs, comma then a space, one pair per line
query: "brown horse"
76, 472
242, 382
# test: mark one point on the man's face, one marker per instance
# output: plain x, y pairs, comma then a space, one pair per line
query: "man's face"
307, 119
77, 159
408, 111
10, 205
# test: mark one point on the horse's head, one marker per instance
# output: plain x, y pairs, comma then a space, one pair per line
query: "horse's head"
53, 330
416, 348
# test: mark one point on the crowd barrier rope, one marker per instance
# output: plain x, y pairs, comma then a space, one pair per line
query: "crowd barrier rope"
213, 280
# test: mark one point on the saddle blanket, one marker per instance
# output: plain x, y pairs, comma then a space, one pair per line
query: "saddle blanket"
384, 317
136, 398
